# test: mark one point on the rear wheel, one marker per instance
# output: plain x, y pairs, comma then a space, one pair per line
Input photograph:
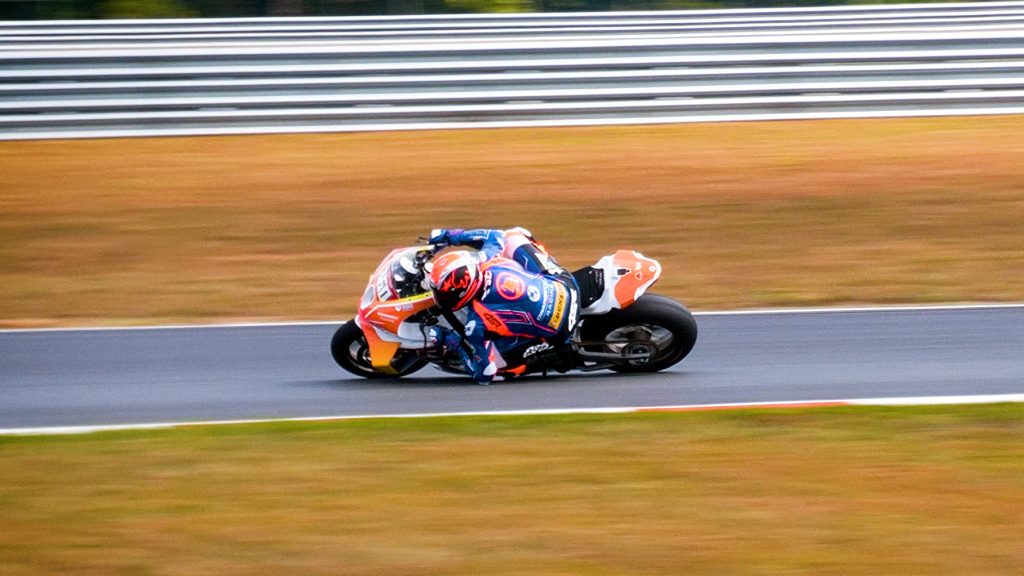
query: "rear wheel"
352, 353
656, 326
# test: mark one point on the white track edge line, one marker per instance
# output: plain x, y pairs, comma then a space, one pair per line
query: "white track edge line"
909, 401
856, 309
742, 312
282, 324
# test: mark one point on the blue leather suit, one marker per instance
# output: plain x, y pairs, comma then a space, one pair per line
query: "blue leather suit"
526, 302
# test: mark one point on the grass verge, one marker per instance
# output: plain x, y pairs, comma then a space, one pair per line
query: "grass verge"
741, 215
924, 490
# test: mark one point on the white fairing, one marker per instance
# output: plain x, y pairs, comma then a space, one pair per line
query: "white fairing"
410, 334
633, 269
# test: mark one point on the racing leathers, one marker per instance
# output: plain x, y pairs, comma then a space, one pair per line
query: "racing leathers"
526, 305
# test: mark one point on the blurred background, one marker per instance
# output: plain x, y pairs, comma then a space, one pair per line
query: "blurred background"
73, 9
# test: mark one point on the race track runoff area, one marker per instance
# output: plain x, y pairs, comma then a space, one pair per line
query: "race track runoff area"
857, 490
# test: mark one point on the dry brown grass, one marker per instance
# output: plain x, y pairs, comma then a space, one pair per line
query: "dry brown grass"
929, 491
751, 214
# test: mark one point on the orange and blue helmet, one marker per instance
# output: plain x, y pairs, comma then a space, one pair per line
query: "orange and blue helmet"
455, 278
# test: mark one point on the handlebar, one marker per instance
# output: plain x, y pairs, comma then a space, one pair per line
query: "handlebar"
423, 256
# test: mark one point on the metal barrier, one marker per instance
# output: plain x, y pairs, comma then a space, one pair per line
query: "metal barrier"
180, 77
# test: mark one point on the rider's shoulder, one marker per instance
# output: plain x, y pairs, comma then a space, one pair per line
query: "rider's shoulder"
499, 262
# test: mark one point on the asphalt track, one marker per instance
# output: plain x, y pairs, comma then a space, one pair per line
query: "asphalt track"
92, 377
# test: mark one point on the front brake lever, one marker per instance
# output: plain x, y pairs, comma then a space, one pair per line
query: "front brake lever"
423, 256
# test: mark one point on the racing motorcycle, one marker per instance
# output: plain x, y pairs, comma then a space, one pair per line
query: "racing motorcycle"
621, 327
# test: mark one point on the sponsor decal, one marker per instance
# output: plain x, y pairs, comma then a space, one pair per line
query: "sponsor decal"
533, 293
509, 286
549, 301
559, 313
536, 349
491, 320
487, 285
573, 310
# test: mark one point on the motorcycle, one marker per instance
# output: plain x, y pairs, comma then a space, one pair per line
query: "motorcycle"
621, 327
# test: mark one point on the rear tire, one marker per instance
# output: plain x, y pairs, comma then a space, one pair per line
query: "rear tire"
659, 324
351, 352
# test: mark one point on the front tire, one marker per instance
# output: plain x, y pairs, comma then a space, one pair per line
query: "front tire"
351, 352
654, 324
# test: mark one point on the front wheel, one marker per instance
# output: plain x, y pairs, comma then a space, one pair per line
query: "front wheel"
654, 325
351, 352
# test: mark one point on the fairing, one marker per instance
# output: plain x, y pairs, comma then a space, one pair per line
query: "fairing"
627, 275
383, 312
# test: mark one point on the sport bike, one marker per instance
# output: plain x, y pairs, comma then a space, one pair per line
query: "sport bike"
621, 327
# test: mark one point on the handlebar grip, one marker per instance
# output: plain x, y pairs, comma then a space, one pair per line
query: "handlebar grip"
424, 255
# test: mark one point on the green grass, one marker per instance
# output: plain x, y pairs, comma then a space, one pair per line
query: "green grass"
931, 490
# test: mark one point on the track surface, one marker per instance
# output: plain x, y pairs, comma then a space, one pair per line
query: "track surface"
61, 378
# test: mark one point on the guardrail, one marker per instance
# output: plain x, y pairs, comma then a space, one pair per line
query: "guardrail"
180, 77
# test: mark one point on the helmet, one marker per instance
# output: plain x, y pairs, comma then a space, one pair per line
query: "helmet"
455, 278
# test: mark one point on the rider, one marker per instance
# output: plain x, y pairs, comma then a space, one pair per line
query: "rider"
520, 303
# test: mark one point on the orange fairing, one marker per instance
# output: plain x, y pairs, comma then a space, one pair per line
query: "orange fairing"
381, 352
390, 314
381, 316
637, 274
387, 316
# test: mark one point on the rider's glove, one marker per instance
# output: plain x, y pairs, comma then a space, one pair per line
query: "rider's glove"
452, 342
444, 339
439, 237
